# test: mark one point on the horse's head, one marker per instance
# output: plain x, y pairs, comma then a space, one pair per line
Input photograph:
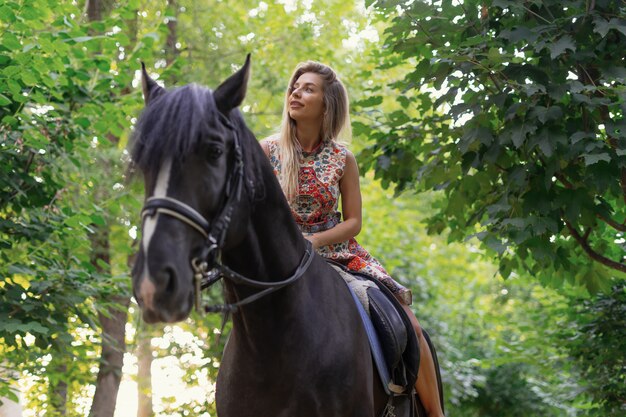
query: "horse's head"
188, 146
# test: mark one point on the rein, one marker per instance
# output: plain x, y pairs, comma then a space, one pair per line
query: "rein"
208, 267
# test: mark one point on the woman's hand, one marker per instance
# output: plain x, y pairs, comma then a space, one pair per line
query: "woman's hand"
313, 239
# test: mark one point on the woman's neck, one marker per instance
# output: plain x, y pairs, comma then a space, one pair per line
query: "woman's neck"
308, 135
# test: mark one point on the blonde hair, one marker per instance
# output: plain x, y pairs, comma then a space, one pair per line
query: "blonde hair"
335, 124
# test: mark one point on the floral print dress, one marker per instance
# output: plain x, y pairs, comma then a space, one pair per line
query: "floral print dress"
315, 209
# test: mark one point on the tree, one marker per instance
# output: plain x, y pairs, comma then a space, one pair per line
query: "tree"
486, 330
596, 337
62, 99
515, 111
113, 314
41, 96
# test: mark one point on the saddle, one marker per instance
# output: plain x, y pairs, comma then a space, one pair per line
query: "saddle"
392, 339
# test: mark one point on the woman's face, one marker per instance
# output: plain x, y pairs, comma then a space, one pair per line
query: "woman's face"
306, 100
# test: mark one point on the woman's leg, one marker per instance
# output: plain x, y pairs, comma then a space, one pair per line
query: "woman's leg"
426, 385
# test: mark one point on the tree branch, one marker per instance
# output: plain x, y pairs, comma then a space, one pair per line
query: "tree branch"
537, 15
615, 225
584, 243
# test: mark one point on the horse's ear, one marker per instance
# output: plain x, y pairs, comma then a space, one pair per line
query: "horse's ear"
231, 92
151, 89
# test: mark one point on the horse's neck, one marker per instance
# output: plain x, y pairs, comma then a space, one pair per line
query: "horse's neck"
271, 251
273, 245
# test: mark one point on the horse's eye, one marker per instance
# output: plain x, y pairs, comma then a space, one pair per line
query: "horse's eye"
214, 152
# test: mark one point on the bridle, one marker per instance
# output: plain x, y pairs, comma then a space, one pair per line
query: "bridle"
207, 266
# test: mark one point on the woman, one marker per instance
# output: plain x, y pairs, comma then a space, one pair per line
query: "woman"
314, 170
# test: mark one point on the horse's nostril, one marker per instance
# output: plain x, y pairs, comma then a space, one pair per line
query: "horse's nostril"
170, 279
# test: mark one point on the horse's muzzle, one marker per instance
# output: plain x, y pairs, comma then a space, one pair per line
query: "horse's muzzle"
161, 303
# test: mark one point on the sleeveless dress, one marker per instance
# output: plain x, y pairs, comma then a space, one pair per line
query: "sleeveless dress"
315, 209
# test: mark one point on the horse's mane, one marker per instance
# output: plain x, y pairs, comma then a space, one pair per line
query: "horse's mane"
176, 121
172, 125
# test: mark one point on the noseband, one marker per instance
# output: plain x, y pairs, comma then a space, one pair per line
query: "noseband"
208, 267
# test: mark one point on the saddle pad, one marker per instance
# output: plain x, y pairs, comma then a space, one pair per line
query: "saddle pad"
358, 286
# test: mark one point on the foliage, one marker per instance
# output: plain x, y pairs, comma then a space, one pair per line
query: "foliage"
597, 339
485, 330
60, 106
507, 393
516, 111
215, 36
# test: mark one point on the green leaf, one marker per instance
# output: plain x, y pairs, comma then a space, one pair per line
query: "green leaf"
78, 220
517, 223
559, 47
517, 34
29, 46
404, 101
14, 87
552, 113
614, 73
31, 13
370, 101
6, 15
83, 122
10, 71
603, 26
98, 220
11, 121
578, 136
591, 159
494, 244
519, 133
10, 41
546, 146
4, 100
34, 327
28, 77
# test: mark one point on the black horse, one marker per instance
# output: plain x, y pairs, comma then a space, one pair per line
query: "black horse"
297, 346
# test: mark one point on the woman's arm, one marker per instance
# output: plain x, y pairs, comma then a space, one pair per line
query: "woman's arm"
351, 208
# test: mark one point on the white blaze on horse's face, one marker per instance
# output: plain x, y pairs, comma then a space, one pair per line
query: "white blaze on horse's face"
146, 287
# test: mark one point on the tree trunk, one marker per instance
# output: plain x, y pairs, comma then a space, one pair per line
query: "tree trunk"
113, 323
97, 9
111, 361
171, 50
144, 373
112, 320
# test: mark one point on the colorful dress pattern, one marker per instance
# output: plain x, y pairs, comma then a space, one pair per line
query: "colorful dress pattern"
315, 209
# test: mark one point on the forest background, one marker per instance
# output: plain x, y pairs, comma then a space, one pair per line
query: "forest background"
492, 143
